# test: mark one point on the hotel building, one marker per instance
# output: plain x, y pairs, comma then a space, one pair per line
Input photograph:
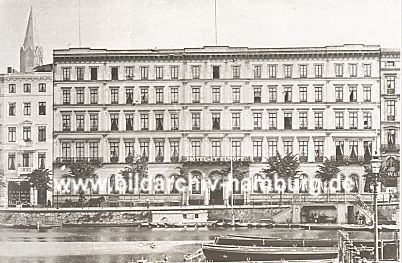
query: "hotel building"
180, 107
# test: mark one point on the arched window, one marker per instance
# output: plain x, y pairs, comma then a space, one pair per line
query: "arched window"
257, 184
159, 184
303, 183
196, 177
355, 183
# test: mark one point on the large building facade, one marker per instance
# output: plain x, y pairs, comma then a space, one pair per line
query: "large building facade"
193, 108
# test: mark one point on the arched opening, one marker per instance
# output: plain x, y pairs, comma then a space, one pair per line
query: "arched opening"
196, 177
257, 184
303, 183
354, 187
216, 188
159, 184
116, 184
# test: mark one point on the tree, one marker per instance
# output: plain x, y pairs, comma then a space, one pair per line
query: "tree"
39, 179
233, 168
83, 170
136, 165
328, 170
2, 181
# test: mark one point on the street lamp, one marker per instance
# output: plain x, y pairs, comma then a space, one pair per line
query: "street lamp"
375, 169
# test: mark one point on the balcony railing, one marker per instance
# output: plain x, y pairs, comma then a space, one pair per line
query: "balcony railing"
390, 147
346, 160
303, 159
159, 159
70, 160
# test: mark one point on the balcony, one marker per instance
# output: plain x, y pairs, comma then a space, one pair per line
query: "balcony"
303, 159
346, 160
69, 160
159, 159
25, 170
257, 159
174, 159
390, 147
319, 159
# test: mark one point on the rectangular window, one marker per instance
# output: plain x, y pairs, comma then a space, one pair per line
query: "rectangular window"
79, 150
257, 150
236, 149
272, 121
287, 71
318, 71
272, 71
216, 95
257, 117
236, 72
80, 73
287, 120
174, 95
368, 147
66, 122
174, 150
66, 73
41, 133
144, 121
26, 134
318, 119
159, 150
27, 109
195, 95
195, 72
390, 63
353, 120
42, 87
26, 160
390, 85
11, 161
352, 93
367, 93
303, 71
174, 72
144, 73
272, 94
93, 96
367, 120
174, 121
79, 95
144, 95
216, 148
353, 147
66, 96
390, 110
114, 96
303, 120
159, 122
41, 160
391, 137
114, 122
338, 70
339, 120
288, 147
257, 95
353, 70
12, 109
367, 70
94, 73
129, 96
159, 95
93, 122
195, 121
12, 88
303, 94
93, 149
114, 73
159, 72
114, 152
27, 88
195, 148
215, 72
216, 121
272, 148
303, 151
12, 134
339, 94
257, 72
318, 94
129, 73
235, 95
318, 151
129, 122
65, 150
287, 94
235, 121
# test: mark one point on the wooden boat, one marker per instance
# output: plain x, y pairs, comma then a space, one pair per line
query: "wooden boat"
224, 253
238, 224
274, 242
100, 224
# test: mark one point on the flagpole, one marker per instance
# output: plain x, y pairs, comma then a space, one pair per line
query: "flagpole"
231, 181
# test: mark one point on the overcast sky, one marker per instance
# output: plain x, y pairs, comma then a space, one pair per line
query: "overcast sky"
132, 24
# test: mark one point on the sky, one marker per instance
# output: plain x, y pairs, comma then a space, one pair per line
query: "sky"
136, 24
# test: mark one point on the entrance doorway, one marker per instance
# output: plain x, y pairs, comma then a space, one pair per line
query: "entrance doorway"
42, 197
351, 215
216, 187
18, 193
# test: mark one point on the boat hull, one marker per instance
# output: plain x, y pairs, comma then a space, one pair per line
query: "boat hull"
262, 242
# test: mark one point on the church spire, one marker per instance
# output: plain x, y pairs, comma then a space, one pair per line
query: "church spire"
30, 55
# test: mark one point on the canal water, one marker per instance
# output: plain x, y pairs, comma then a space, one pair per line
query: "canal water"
122, 244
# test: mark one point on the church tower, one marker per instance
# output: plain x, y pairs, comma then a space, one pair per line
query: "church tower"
31, 56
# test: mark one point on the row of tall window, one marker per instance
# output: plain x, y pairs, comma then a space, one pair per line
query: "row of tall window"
160, 72
352, 151
216, 121
159, 95
27, 134
26, 87
27, 160
26, 108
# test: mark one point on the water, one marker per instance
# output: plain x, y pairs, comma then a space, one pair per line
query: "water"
121, 244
